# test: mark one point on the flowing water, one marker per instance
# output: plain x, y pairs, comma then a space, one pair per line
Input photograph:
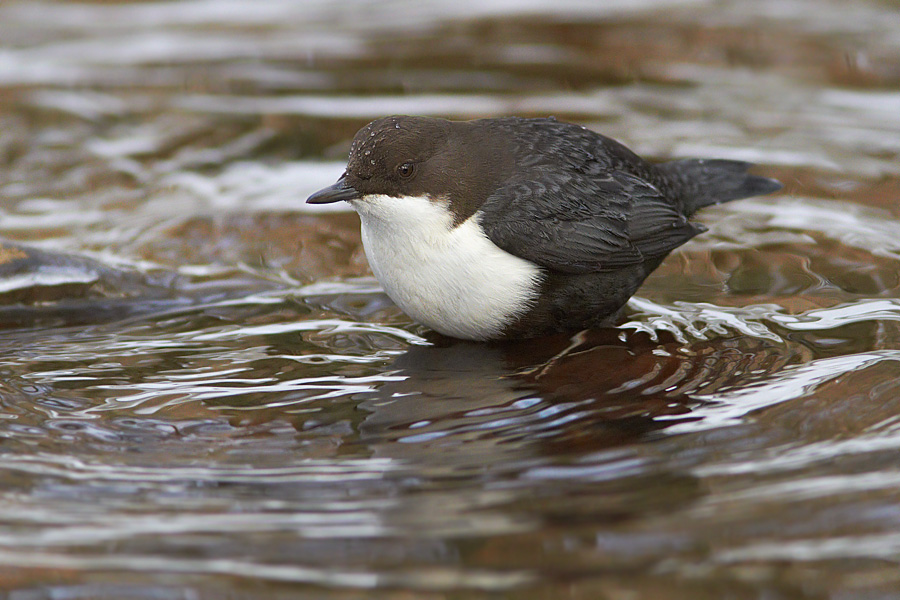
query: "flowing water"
206, 395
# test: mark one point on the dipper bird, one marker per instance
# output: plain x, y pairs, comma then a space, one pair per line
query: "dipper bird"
512, 228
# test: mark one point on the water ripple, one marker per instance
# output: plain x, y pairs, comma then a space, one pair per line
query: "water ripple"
732, 406
421, 578
308, 470
887, 309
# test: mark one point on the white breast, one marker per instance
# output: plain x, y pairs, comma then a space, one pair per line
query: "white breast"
452, 279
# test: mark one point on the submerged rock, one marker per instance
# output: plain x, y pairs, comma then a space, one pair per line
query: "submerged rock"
31, 275
45, 287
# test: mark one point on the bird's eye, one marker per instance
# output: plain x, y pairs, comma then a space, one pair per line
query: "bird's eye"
406, 170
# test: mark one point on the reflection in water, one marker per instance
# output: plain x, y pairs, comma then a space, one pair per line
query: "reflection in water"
219, 401
575, 395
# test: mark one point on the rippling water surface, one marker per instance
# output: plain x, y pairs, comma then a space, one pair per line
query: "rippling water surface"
205, 394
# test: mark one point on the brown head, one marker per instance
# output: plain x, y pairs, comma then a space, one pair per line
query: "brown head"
446, 161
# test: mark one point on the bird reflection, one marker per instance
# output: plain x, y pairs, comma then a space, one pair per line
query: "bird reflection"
596, 390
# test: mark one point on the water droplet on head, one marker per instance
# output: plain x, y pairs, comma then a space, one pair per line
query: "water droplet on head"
367, 152
372, 134
372, 161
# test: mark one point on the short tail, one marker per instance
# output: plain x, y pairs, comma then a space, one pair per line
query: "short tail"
702, 182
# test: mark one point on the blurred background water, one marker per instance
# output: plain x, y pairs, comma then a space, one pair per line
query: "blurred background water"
206, 395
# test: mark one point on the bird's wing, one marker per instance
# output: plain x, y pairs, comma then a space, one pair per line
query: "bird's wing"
575, 223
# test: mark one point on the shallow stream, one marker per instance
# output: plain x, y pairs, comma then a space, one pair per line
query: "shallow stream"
219, 402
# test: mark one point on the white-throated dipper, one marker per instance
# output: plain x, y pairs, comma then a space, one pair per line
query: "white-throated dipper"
513, 228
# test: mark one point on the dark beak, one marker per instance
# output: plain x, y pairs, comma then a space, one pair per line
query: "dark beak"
334, 193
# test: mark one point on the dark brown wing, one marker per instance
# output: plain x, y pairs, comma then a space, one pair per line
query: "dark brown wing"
574, 222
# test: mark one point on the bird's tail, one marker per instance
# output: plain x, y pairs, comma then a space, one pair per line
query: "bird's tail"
702, 182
